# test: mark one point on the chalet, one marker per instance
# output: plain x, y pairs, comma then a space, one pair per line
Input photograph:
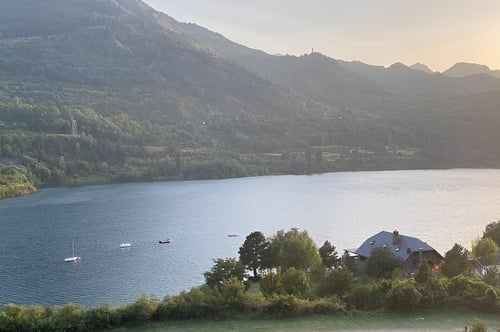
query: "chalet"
410, 250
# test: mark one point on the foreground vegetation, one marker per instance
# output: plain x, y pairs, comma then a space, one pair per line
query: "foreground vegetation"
438, 320
290, 278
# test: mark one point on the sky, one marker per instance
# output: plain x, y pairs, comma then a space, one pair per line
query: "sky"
438, 33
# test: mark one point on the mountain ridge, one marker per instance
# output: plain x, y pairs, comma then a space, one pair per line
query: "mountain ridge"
155, 98
463, 69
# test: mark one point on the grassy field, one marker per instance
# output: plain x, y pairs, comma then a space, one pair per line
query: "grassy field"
424, 321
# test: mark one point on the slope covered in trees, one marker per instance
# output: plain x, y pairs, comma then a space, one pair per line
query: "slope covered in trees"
116, 91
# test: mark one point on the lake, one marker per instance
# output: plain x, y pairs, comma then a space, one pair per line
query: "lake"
36, 232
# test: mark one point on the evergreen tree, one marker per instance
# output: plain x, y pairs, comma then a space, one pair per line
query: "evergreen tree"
329, 255
252, 252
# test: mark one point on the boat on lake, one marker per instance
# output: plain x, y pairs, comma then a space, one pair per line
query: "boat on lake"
73, 258
125, 245
233, 234
165, 241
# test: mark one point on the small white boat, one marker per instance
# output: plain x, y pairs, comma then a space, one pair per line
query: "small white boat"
233, 234
73, 258
125, 245
296, 228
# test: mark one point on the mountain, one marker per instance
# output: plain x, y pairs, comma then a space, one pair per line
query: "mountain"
463, 69
116, 90
421, 67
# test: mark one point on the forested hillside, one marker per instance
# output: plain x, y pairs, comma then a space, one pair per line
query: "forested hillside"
104, 90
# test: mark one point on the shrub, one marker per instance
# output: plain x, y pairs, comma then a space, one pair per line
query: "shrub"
466, 290
423, 273
103, 317
368, 295
187, 305
403, 295
381, 263
295, 282
140, 311
270, 284
490, 300
434, 291
69, 318
287, 306
477, 326
336, 282
328, 306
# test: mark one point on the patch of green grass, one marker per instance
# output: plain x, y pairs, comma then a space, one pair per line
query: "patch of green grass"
378, 321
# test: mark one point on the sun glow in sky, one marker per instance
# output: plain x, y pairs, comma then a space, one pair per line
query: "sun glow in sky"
436, 33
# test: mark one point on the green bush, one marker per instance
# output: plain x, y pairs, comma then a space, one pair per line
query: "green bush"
103, 317
336, 282
381, 263
287, 306
270, 284
477, 326
368, 295
295, 282
194, 304
70, 318
434, 292
141, 311
328, 306
466, 289
403, 295
490, 300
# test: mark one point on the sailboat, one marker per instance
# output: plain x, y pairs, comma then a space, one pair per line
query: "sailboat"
73, 258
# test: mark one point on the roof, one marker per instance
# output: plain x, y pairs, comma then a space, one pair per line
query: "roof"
402, 249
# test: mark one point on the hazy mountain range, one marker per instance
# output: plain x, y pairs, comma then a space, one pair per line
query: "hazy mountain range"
181, 85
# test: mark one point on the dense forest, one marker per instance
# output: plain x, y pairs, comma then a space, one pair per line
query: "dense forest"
287, 275
99, 91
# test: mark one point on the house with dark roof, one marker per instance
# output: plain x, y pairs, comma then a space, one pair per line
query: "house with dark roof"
411, 250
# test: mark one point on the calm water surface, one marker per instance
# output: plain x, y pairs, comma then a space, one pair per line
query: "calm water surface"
36, 231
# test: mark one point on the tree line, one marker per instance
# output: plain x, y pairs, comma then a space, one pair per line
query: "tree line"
121, 140
287, 275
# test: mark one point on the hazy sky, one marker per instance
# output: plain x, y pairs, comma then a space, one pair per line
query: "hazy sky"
437, 33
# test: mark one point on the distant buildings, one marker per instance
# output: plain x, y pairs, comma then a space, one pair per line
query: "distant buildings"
410, 250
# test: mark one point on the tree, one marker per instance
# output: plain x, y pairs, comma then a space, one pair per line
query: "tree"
292, 249
486, 250
381, 263
403, 295
295, 282
252, 251
455, 261
338, 282
424, 272
329, 255
493, 232
223, 270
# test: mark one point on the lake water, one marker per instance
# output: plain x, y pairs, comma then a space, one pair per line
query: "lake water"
36, 232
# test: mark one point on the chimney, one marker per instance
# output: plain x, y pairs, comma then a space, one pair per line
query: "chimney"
395, 237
